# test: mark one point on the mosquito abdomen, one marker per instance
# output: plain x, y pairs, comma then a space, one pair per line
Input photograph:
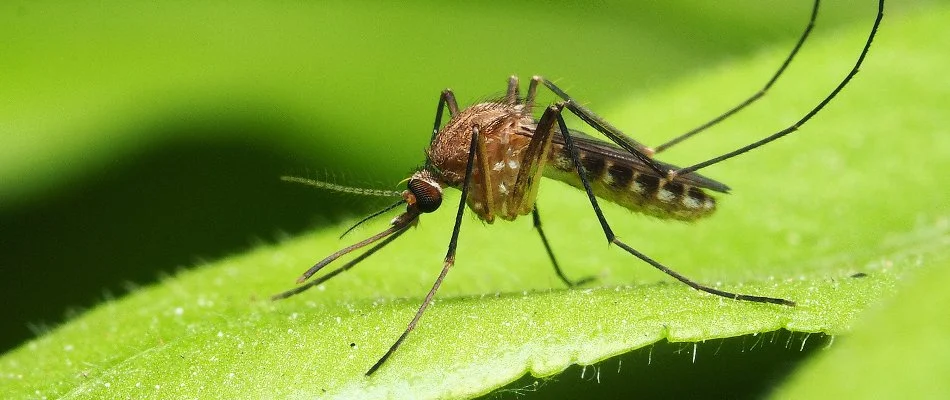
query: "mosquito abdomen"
617, 181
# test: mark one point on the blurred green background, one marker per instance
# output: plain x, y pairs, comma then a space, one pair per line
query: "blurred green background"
138, 138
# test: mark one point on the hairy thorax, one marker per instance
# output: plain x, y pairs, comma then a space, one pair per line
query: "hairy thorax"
506, 131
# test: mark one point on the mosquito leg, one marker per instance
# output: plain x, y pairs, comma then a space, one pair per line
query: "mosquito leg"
794, 127
532, 93
484, 181
643, 153
754, 97
449, 256
512, 94
446, 100
547, 247
525, 191
523, 194
612, 238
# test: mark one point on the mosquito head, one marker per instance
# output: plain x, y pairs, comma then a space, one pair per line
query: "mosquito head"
425, 193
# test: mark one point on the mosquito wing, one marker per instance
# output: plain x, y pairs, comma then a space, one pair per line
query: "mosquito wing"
615, 154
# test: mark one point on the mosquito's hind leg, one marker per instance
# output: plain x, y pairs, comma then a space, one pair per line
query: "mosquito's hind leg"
555, 110
757, 95
794, 127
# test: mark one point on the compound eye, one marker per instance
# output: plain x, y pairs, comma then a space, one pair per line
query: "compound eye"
428, 196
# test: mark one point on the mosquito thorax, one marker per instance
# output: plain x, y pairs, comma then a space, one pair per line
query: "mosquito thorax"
424, 193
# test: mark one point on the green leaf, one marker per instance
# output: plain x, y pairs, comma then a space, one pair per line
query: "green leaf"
845, 195
869, 363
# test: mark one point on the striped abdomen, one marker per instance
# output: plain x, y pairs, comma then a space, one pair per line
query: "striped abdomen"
631, 186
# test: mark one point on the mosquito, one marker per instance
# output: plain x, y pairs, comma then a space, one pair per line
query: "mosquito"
496, 153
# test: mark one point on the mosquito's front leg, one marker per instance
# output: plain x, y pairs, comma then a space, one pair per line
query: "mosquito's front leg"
449, 255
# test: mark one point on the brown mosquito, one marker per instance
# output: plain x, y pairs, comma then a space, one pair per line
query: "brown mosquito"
496, 153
